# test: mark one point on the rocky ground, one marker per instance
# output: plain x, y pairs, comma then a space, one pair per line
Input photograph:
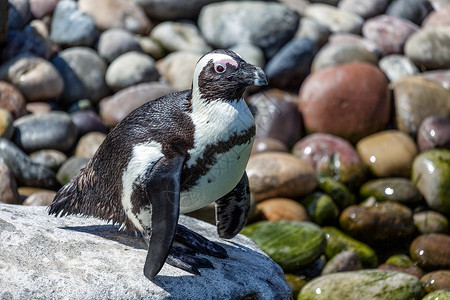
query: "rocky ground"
350, 170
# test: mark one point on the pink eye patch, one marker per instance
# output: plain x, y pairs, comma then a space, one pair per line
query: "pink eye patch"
224, 62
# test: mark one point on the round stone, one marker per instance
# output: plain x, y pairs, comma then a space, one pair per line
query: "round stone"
41, 198
250, 53
53, 130
431, 174
12, 100
416, 98
321, 208
330, 104
291, 64
83, 72
116, 108
362, 8
389, 33
434, 132
440, 76
437, 280
340, 53
336, 20
115, 42
340, 194
41, 8
276, 116
8, 185
356, 40
70, 168
173, 9
343, 262
268, 25
6, 124
278, 209
124, 14
429, 48
388, 153
37, 108
311, 29
400, 190
431, 251
292, 245
276, 174
178, 68
396, 66
402, 263
331, 156
19, 14
35, 77
27, 40
386, 222
129, 69
412, 10
50, 158
87, 121
430, 222
438, 17
72, 27
363, 284
268, 145
89, 143
176, 36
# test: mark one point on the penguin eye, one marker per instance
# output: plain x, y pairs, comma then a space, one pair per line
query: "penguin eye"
220, 68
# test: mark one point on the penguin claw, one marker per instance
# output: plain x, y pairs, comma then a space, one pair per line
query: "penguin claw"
180, 257
199, 243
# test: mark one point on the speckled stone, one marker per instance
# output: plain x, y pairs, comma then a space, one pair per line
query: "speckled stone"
12, 100
386, 222
275, 174
434, 132
362, 109
388, 153
430, 221
431, 251
431, 174
331, 156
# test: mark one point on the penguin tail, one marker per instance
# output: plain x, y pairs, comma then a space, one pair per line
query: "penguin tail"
69, 199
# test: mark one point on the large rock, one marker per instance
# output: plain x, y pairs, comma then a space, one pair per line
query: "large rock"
75, 257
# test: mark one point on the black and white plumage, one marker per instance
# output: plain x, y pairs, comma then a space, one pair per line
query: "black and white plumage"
174, 155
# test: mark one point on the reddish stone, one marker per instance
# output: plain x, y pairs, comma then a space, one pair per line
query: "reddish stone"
349, 100
12, 100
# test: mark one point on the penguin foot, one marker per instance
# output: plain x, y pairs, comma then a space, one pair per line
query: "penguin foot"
199, 243
183, 258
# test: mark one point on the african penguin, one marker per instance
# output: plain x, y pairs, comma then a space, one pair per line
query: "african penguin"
174, 155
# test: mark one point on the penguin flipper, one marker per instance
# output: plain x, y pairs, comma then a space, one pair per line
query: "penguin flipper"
162, 189
232, 209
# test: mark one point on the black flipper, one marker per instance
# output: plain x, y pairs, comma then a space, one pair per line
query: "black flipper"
162, 189
232, 210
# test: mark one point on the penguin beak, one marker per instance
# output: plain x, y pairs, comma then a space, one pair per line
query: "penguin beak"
253, 75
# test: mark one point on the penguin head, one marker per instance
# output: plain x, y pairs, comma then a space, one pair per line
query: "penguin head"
224, 75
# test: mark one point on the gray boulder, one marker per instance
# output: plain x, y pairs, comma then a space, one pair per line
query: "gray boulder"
84, 258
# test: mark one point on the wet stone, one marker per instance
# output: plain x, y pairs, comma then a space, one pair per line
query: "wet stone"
340, 53
388, 153
130, 69
50, 158
386, 221
276, 116
340, 194
116, 41
321, 208
41, 198
438, 295
434, 132
268, 145
279, 209
437, 280
276, 174
53, 130
431, 251
400, 190
331, 156
342, 262
402, 263
431, 222
431, 174
417, 98
362, 109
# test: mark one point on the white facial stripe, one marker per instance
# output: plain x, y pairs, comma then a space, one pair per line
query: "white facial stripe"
144, 156
215, 57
